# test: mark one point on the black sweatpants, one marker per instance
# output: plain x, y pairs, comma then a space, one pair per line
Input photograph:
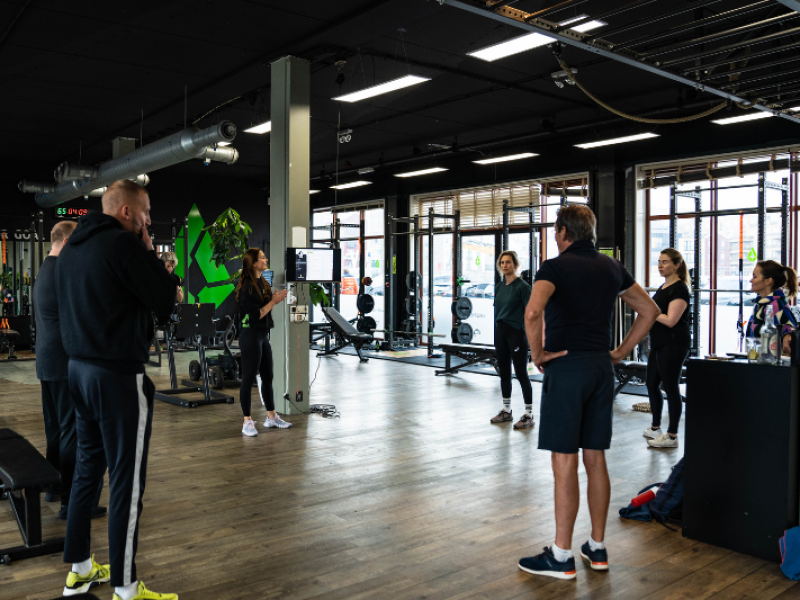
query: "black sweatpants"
113, 419
256, 360
664, 367
511, 345
59, 428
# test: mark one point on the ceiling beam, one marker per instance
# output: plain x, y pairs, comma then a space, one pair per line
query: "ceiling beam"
793, 4
522, 20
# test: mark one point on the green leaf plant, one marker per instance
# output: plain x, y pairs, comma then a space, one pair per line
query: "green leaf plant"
228, 239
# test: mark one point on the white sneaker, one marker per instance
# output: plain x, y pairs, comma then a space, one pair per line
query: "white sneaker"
277, 422
653, 434
249, 428
663, 441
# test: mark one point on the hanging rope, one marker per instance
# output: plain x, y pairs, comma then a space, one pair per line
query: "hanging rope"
708, 172
678, 177
710, 111
652, 178
739, 168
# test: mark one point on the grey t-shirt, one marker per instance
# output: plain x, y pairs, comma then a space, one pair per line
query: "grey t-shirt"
52, 362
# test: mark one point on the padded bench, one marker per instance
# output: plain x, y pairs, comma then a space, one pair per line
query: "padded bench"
9, 336
471, 354
24, 470
628, 369
346, 334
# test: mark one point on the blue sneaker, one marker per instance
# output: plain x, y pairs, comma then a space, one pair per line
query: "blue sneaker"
546, 564
598, 559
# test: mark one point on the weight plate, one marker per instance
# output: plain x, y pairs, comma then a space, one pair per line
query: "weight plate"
462, 334
194, 371
366, 325
411, 305
217, 378
411, 278
365, 304
461, 307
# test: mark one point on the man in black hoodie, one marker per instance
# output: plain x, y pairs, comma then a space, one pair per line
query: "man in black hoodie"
111, 281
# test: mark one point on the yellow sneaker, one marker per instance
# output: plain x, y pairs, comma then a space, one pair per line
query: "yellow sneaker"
144, 594
80, 584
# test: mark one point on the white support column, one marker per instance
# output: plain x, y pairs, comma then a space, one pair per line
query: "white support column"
289, 222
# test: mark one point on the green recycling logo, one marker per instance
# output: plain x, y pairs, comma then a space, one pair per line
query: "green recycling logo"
215, 290
752, 256
478, 261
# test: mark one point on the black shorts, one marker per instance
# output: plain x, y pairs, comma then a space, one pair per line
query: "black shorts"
577, 400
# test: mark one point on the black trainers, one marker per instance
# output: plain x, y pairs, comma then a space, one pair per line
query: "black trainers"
97, 512
501, 417
597, 559
547, 565
525, 422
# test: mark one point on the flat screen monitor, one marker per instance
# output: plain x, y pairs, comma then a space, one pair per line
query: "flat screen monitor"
320, 265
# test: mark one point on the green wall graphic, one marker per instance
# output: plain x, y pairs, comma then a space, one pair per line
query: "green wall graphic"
213, 288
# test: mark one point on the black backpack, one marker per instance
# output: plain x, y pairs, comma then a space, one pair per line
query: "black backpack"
667, 506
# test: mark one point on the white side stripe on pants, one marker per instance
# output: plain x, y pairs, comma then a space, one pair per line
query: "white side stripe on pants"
258, 384
135, 489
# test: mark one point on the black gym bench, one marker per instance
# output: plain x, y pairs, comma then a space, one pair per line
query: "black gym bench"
471, 354
345, 334
628, 369
24, 470
9, 337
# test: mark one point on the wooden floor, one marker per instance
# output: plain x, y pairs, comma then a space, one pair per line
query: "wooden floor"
411, 494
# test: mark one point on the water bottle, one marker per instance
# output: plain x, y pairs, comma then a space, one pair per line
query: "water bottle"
770, 352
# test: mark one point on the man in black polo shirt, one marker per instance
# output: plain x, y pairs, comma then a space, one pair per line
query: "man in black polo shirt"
575, 295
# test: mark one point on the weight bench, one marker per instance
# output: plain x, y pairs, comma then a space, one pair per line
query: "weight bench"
24, 470
9, 336
471, 354
628, 369
346, 334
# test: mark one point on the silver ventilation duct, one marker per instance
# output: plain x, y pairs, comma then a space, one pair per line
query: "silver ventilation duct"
184, 145
35, 187
67, 172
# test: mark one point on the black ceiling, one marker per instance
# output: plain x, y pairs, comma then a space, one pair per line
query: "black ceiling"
75, 75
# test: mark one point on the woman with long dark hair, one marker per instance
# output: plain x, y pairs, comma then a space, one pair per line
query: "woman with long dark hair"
510, 340
256, 301
770, 279
670, 341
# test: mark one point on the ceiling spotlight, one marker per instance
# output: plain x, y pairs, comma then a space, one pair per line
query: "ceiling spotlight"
422, 172
383, 88
262, 128
345, 136
352, 184
619, 140
489, 161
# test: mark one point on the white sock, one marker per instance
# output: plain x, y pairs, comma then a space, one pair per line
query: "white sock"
507, 404
596, 545
126, 592
529, 410
559, 554
82, 568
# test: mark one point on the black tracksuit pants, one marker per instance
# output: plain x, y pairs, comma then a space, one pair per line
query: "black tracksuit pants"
256, 360
59, 428
664, 367
113, 418
511, 346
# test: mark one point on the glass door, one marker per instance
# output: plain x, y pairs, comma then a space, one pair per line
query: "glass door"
478, 267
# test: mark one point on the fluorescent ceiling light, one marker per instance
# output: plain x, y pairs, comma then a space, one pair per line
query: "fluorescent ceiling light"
741, 118
619, 140
262, 128
489, 161
313, 191
383, 88
352, 184
422, 172
583, 27
529, 42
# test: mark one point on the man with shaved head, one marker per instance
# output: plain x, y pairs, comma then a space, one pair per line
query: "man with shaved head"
111, 282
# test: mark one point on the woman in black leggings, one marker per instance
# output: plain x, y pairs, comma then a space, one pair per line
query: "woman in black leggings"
510, 341
256, 301
669, 347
